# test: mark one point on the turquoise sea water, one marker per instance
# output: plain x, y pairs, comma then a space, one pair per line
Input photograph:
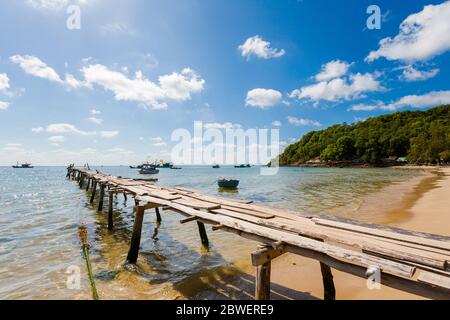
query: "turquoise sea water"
40, 212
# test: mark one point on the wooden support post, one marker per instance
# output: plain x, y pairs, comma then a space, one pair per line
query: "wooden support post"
88, 184
81, 181
158, 218
110, 211
203, 235
328, 283
94, 188
125, 197
102, 196
136, 237
262, 285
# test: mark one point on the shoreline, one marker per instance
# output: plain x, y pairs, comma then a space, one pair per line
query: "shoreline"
421, 207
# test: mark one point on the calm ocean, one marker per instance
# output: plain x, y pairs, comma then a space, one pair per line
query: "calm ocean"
40, 212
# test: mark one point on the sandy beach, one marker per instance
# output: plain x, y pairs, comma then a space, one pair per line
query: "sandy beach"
420, 204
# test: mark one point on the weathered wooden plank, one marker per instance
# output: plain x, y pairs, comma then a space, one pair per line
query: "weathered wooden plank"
249, 212
267, 254
276, 235
198, 204
393, 281
435, 280
384, 233
189, 219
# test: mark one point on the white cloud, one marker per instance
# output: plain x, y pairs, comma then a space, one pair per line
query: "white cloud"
366, 107
303, 122
67, 128
180, 86
95, 112
412, 74
277, 123
4, 105
109, 134
13, 147
157, 139
339, 89
88, 151
160, 144
225, 125
333, 69
263, 98
37, 130
429, 99
422, 36
121, 151
116, 28
51, 5
4, 82
56, 139
95, 120
36, 67
54, 5
73, 83
257, 46
176, 86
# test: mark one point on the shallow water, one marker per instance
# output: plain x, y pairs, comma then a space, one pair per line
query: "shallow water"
40, 212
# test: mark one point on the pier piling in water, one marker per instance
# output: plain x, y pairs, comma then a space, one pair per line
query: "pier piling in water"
136, 236
110, 211
413, 262
101, 197
94, 188
203, 235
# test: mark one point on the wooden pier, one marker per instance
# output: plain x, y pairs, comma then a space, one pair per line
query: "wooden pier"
413, 262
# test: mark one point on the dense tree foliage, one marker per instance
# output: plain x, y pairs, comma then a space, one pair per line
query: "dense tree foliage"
420, 136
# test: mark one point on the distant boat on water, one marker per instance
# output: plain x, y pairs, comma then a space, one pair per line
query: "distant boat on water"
228, 183
175, 168
23, 166
159, 165
243, 166
148, 169
216, 166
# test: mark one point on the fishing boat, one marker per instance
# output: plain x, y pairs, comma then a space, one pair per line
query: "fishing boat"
166, 165
23, 166
228, 183
243, 166
163, 165
148, 169
216, 166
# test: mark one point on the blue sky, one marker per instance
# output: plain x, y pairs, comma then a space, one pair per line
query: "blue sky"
113, 91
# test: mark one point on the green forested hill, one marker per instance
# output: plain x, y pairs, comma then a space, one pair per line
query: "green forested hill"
420, 136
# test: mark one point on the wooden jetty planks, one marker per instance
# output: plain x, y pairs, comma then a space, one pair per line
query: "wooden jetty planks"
397, 254
384, 233
197, 204
388, 250
349, 255
434, 279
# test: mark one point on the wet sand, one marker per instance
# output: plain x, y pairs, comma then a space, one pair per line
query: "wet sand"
420, 204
